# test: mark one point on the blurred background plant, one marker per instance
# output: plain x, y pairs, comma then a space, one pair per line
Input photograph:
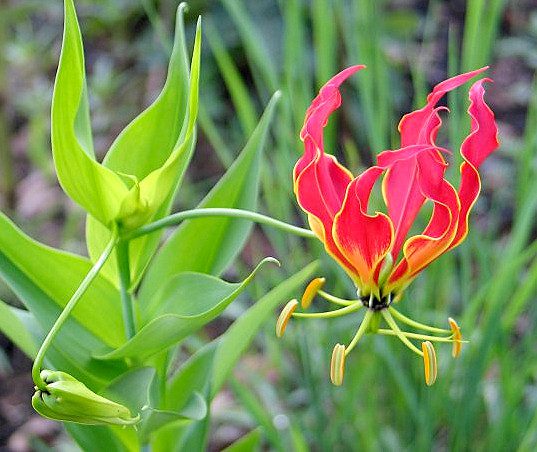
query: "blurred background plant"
487, 400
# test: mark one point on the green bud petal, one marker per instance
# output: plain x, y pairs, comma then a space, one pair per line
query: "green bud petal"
134, 210
67, 399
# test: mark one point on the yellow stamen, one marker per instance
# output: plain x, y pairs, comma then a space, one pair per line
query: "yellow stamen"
429, 363
457, 338
337, 365
311, 290
284, 317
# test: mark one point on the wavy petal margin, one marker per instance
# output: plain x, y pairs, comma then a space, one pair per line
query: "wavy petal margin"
482, 141
420, 250
400, 188
320, 181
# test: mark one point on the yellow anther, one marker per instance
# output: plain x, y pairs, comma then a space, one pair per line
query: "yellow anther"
337, 365
429, 362
284, 317
457, 338
309, 294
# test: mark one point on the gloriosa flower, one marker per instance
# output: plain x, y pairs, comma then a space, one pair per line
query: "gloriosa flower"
375, 248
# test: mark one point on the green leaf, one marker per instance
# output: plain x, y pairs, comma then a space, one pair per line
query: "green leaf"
97, 189
189, 301
248, 443
210, 366
15, 330
146, 144
36, 273
131, 389
154, 419
106, 438
239, 336
208, 245
214, 361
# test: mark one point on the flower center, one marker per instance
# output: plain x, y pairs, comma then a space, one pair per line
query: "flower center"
376, 304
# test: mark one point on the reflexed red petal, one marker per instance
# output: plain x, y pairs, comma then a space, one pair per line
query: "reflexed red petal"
482, 141
320, 181
326, 102
400, 189
320, 190
388, 158
413, 126
420, 250
363, 239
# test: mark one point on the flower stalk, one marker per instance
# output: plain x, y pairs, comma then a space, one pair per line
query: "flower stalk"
38, 362
177, 218
123, 265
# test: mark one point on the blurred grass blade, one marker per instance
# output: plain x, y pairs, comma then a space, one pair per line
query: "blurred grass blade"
258, 55
238, 90
250, 442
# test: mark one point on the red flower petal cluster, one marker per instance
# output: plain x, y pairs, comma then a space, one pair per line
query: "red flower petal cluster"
375, 249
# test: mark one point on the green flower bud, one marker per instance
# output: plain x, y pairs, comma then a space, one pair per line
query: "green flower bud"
134, 210
67, 399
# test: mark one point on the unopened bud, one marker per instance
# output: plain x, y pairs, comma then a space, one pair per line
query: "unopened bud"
67, 399
337, 365
457, 338
311, 291
284, 317
429, 362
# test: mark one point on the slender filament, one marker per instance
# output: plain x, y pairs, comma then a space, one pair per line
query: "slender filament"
361, 330
336, 300
414, 324
422, 337
329, 314
391, 323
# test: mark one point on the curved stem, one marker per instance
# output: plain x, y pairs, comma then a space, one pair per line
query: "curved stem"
414, 324
361, 330
397, 331
329, 314
94, 271
336, 300
178, 217
123, 266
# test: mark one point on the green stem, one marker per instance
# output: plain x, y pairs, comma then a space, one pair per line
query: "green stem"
123, 266
36, 368
176, 218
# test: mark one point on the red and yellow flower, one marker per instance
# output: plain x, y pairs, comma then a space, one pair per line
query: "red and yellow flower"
375, 249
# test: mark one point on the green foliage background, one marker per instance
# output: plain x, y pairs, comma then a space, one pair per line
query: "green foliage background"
486, 400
